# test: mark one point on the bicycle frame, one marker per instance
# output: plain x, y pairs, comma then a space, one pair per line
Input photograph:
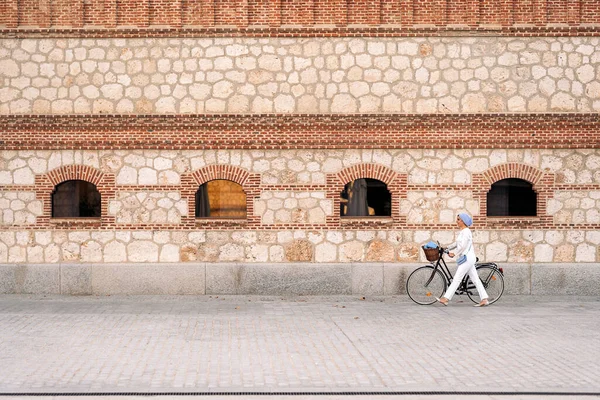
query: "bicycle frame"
463, 288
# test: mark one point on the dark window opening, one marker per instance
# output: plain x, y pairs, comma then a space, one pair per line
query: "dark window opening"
76, 199
512, 197
220, 199
366, 197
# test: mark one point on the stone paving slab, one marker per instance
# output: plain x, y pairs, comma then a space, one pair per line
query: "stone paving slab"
302, 344
318, 397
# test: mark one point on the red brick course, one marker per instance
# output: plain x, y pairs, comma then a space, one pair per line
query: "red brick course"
274, 13
302, 32
278, 131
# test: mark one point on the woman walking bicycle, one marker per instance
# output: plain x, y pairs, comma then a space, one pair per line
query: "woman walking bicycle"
463, 248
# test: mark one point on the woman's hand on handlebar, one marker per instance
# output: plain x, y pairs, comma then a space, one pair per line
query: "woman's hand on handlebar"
446, 251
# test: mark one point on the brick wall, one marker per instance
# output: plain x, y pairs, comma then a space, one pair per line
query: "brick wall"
297, 12
438, 142
197, 132
165, 12
293, 216
231, 12
4, 17
198, 12
590, 10
264, 12
133, 12
66, 13
242, 13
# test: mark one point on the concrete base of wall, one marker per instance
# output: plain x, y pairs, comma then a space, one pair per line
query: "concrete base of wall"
374, 279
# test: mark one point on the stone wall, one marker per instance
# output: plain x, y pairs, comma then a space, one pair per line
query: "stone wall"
285, 246
303, 167
147, 207
291, 101
299, 191
437, 206
293, 207
575, 207
297, 75
19, 208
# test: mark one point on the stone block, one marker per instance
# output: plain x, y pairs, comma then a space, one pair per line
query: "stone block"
39, 278
299, 250
395, 276
29, 279
279, 279
155, 279
367, 279
517, 278
565, 279
7, 278
379, 250
76, 279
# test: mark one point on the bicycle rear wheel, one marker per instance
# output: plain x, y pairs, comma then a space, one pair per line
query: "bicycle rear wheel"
493, 282
424, 284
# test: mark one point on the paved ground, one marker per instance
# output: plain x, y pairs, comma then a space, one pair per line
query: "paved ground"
344, 344
318, 397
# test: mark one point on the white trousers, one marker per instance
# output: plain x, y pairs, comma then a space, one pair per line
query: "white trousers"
468, 267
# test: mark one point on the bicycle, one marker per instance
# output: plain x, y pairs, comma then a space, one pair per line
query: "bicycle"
426, 283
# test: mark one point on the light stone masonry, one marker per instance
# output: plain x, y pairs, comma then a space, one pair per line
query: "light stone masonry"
278, 207
575, 207
430, 207
423, 166
281, 246
148, 207
19, 208
300, 75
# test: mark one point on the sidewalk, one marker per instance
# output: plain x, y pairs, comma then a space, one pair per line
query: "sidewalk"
314, 344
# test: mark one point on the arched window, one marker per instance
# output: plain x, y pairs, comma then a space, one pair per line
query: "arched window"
220, 199
512, 197
366, 197
76, 199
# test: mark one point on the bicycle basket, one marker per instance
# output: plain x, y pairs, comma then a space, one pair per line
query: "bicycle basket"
431, 254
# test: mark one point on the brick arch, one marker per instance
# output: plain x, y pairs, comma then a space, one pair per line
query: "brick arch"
542, 183
513, 170
227, 172
75, 172
372, 171
396, 184
250, 183
46, 185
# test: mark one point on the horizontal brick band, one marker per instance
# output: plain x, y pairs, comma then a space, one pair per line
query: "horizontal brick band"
295, 32
274, 14
513, 131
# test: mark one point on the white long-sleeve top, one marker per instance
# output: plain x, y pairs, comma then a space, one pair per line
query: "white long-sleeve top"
463, 244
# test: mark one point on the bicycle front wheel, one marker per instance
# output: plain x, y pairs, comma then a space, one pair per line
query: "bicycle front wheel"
424, 284
493, 282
